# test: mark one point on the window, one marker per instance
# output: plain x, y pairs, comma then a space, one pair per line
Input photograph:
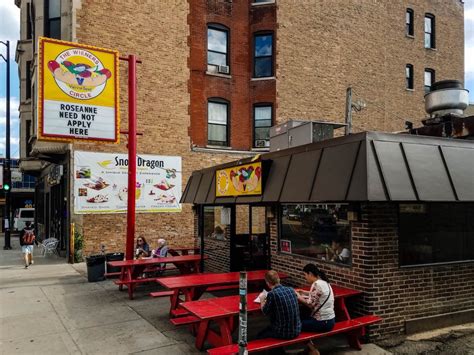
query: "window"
262, 122
52, 15
409, 76
263, 55
429, 79
436, 233
217, 48
316, 231
429, 31
409, 22
28, 80
28, 21
216, 224
217, 122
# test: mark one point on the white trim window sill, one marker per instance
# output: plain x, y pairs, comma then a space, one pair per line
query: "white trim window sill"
219, 75
410, 36
270, 2
432, 49
265, 78
224, 150
410, 90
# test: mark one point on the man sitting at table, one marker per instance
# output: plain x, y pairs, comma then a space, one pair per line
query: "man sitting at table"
281, 305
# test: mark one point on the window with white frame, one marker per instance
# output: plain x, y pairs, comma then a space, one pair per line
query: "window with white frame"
429, 79
218, 49
262, 121
218, 122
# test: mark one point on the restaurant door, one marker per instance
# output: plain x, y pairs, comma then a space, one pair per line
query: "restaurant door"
249, 242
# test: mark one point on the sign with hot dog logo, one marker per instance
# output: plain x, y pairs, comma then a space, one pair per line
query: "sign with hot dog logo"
78, 94
239, 180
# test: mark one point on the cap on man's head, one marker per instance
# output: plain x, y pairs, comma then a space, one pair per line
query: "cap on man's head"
272, 278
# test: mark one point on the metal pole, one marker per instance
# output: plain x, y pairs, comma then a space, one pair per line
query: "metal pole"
348, 129
243, 313
7, 154
132, 154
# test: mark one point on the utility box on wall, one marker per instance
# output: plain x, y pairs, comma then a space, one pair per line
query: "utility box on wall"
295, 133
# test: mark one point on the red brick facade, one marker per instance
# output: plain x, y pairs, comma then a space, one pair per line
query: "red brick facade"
242, 20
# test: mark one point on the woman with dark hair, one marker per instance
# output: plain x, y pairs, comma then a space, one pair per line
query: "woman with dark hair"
142, 249
320, 300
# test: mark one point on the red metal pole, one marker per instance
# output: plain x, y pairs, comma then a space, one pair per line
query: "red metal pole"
132, 154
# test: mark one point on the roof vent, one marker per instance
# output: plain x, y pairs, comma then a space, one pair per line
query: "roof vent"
446, 97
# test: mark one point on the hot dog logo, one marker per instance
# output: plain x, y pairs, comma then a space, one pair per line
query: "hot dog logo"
79, 73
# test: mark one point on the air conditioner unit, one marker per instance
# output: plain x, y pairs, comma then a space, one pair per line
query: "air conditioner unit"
261, 143
223, 69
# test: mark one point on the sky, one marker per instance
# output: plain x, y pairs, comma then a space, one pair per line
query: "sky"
10, 30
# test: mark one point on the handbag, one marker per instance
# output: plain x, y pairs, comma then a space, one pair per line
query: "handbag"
321, 306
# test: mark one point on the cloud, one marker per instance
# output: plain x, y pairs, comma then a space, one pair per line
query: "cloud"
14, 147
10, 28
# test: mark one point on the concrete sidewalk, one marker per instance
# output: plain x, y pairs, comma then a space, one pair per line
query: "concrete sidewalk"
50, 308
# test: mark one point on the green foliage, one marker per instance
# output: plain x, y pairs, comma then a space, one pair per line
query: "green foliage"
78, 245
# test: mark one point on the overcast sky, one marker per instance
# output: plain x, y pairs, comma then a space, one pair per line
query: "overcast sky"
10, 28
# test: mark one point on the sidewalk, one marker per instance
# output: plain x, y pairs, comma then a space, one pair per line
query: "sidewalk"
51, 308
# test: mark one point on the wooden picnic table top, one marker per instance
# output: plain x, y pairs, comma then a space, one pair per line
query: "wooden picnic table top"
211, 279
154, 261
218, 307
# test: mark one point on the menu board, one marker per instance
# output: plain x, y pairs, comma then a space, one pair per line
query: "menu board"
101, 183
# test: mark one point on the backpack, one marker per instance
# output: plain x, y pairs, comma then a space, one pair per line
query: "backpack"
28, 237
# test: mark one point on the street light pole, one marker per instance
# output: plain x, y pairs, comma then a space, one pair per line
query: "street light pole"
7, 245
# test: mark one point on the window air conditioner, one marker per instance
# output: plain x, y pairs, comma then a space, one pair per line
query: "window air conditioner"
260, 143
223, 69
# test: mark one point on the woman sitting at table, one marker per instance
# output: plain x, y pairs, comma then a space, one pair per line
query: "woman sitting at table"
320, 300
142, 249
162, 250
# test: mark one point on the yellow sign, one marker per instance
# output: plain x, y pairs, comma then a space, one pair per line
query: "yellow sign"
239, 180
78, 92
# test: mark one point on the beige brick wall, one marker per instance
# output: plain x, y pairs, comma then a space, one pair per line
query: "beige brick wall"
321, 49
157, 32
325, 46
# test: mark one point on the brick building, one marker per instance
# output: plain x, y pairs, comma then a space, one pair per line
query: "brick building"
387, 214
216, 74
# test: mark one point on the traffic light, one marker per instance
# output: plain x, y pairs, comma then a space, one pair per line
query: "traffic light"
7, 180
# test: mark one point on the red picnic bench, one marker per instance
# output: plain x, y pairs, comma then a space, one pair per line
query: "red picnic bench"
132, 270
354, 328
224, 310
193, 286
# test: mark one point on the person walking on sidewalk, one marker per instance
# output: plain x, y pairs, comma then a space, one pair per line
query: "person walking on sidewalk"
27, 239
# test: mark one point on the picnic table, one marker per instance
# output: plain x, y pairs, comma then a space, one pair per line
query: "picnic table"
132, 270
225, 310
176, 251
193, 286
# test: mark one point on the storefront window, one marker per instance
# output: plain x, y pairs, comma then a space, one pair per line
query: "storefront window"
216, 221
436, 233
318, 231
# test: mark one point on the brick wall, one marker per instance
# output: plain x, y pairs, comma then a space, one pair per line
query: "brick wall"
322, 49
396, 294
163, 106
242, 20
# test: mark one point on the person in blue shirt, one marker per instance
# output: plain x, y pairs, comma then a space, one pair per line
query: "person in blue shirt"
280, 304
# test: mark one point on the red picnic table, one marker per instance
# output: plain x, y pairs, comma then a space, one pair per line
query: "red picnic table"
132, 270
224, 310
193, 286
176, 251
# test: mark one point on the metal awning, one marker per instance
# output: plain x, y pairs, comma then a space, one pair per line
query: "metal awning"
368, 166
